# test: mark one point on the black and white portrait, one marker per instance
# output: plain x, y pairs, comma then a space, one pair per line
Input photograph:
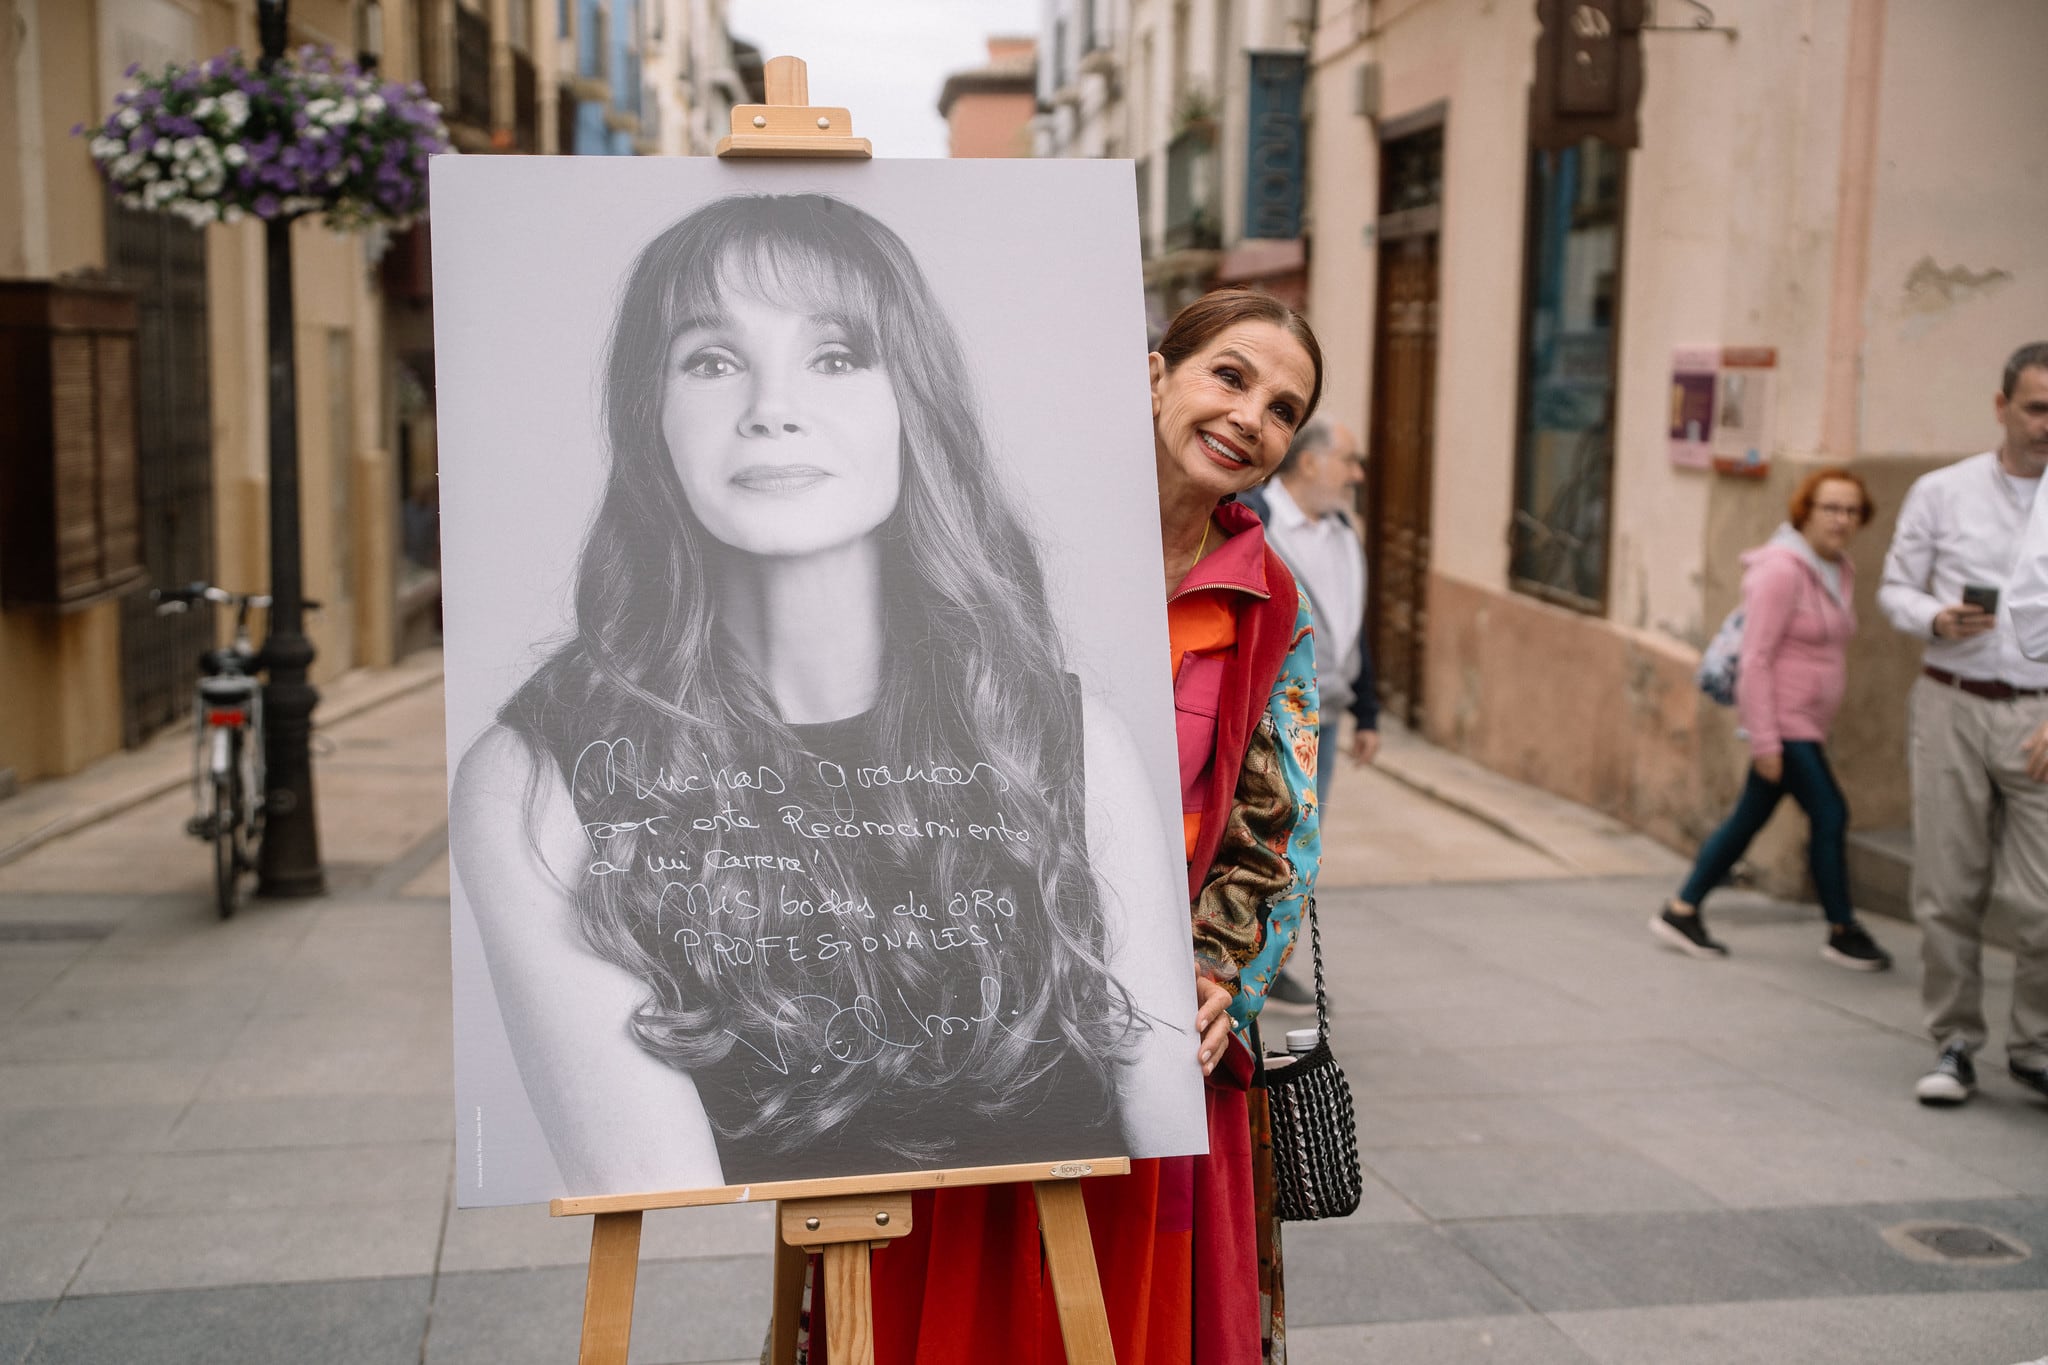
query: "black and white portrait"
812, 797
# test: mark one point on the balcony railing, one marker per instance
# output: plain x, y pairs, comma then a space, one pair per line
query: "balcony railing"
1193, 214
472, 68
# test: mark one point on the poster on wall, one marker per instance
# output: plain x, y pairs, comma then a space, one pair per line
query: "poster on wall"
813, 798
1742, 410
1693, 370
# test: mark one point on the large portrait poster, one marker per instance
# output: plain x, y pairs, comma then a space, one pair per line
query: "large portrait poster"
813, 800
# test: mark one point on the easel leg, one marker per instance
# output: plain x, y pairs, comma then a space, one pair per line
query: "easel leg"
788, 1302
608, 1293
849, 1305
1070, 1260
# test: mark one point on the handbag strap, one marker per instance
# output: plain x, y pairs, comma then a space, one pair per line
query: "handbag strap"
1315, 943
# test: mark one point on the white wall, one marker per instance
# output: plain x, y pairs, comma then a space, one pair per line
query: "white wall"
1959, 234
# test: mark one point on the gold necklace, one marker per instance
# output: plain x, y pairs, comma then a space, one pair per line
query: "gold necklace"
1207, 522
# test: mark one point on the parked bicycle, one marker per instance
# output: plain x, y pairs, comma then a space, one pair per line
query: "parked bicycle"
227, 748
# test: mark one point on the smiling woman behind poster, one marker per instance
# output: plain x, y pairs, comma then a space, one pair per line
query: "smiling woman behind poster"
801, 567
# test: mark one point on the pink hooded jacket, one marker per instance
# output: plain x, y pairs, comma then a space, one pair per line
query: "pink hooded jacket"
1795, 642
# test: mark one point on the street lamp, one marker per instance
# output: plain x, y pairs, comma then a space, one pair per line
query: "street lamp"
288, 863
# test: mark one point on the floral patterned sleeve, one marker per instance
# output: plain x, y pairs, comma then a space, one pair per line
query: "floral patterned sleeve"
1293, 710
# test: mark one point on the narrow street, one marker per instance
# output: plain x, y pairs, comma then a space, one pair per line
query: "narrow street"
233, 1142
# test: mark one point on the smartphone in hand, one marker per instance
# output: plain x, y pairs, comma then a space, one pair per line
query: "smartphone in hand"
1982, 596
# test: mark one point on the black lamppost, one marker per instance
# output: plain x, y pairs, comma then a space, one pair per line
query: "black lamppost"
289, 861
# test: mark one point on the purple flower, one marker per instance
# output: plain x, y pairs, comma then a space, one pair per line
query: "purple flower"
134, 70
266, 206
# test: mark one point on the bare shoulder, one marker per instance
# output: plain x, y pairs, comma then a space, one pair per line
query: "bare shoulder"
508, 807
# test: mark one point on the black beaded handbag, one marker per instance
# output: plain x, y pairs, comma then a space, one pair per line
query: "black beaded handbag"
1315, 1132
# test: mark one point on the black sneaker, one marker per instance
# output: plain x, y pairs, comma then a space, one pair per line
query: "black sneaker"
1953, 1080
1687, 933
1289, 995
1852, 946
2034, 1077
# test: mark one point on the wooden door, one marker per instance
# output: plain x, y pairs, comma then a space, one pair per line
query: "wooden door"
1403, 440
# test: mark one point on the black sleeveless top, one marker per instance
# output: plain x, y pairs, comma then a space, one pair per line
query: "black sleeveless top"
1063, 1108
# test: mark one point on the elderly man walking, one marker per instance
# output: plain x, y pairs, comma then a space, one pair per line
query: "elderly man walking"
1307, 510
1979, 736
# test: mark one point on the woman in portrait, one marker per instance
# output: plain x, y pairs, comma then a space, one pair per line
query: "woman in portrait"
803, 852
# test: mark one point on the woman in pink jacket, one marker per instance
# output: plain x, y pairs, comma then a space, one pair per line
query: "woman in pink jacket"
1798, 601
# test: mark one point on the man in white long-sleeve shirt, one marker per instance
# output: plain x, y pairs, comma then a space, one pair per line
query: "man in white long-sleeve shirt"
1979, 736
2029, 592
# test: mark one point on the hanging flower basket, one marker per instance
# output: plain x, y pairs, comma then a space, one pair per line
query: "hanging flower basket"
224, 140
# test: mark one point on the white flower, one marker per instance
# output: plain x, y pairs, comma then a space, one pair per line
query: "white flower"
146, 171
181, 150
105, 148
373, 105
234, 154
162, 150
204, 109
231, 214
320, 108
235, 105
128, 118
125, 166
344, 113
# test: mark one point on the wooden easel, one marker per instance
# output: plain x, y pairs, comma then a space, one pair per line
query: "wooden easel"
847, 1220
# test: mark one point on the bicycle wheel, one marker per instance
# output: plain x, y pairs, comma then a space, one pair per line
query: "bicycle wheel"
227, 842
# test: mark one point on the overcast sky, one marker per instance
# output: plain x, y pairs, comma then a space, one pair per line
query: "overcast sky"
886, 61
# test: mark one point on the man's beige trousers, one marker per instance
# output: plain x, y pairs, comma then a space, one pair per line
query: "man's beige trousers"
1967, 764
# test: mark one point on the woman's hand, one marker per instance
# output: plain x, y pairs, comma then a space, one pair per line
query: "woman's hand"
1212, 1021
1770, 767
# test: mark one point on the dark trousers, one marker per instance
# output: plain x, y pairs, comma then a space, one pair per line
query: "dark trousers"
1810, 782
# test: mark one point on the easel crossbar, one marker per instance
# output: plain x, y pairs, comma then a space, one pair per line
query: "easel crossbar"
772, 1191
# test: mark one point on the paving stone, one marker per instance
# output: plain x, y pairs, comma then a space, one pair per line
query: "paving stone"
1580, 1068
51, 1085
146, 1252
1630, 1261
683, 1311
1491, 1182
1940, 1329
176, 1037
1525, 1340
1509, 1120
39, 1257
522, 1236
78, 1130
315, 1121
94, 1185
1756, 1145
362, 1322
373, 1173
1557, 1264
1344, 1272
19, 1324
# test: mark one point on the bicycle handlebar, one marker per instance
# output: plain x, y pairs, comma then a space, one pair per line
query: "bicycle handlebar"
172, 600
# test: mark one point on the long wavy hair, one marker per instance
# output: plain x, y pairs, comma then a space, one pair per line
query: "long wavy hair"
973, 672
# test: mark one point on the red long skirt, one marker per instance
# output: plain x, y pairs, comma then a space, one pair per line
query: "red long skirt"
1175, 1244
